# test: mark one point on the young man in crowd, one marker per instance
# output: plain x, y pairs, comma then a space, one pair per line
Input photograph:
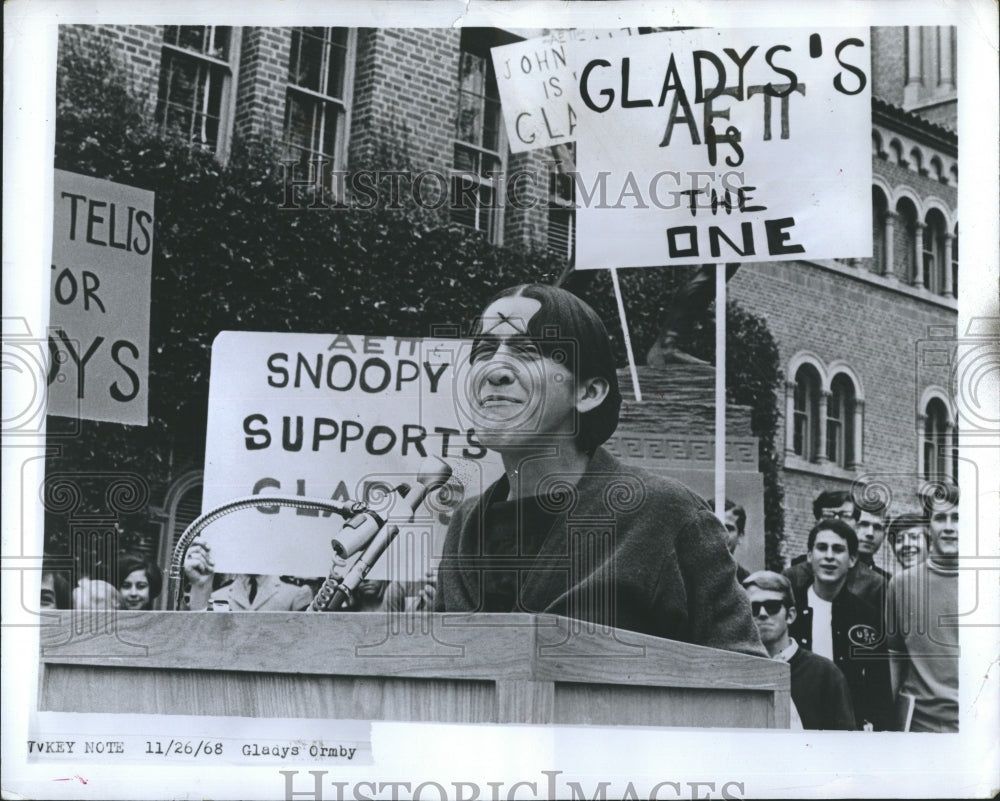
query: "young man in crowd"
922, 616
835, 623
735, 522
820, 696
543, 393
863, 579
869, 524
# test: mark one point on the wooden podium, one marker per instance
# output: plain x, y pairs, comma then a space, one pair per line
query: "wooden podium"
484, 668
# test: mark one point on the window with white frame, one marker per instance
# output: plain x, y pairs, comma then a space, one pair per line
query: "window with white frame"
196, 72
562, 201
480, 147
318, 97
840, 422
805, 428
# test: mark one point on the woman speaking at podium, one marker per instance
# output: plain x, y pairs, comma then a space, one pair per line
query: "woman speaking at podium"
568, 529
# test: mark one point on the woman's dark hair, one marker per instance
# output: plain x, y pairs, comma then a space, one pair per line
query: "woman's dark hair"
567, 329
129, 563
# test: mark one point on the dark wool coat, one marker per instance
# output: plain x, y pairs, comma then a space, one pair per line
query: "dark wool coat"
859, 650
627, 549
820, 692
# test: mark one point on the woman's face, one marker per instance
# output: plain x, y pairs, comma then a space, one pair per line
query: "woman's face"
910, 546
517, 393
135, 590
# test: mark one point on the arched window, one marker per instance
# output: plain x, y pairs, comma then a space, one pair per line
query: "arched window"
897, 153
840, 422
937, 441
954, 263
935, 258
904, 247
954, 454
937, 170
805, 430
917, 161
879, 209
877, 150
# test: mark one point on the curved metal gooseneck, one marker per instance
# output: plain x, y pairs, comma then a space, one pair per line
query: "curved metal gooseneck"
346, 509
364, 532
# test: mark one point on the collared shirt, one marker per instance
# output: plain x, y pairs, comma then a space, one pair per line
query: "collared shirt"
787, 653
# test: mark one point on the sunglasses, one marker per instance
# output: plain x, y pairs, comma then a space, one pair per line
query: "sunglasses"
771, 607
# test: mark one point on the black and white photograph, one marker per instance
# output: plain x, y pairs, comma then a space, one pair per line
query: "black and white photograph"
588, 400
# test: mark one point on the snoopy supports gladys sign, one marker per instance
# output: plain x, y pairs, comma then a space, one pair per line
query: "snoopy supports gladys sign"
342, 417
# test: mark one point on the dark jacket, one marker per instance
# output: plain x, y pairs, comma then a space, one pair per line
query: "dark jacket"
626, 548
859, 650
867, 582
820, 692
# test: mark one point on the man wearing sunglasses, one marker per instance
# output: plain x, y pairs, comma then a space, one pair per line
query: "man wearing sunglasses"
820, 696
568, 529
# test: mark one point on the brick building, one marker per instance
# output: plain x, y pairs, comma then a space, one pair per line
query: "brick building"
859, 402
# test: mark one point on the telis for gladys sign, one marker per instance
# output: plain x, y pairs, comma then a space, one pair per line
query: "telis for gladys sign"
340, 417
102, 253
719, 145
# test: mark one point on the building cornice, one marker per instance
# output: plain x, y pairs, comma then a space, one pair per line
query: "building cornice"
914, 126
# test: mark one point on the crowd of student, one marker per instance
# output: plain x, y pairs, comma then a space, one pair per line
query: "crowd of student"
868, 650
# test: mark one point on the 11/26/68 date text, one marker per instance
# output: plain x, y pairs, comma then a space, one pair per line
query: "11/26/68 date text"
184, 748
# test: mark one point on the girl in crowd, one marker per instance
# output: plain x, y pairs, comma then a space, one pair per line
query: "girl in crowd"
139, 582
908, 536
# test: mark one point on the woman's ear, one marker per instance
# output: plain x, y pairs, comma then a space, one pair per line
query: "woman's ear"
591, 394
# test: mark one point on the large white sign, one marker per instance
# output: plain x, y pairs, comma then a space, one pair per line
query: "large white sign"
333, 417
537, 85
704, 145
102, 256
742, 145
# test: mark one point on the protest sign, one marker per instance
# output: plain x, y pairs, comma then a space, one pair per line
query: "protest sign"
537, 86
339, 417
723, 145
102, 254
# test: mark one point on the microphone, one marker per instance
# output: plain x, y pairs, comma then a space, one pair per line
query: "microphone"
372, 533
